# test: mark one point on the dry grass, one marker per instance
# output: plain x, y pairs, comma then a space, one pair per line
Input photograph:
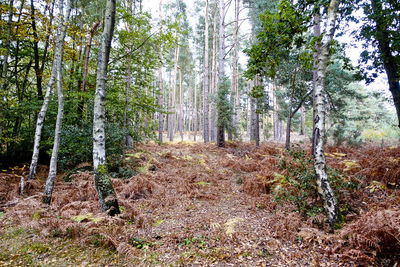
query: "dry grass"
203, 205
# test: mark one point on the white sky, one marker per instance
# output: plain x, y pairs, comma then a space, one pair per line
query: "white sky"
353, 49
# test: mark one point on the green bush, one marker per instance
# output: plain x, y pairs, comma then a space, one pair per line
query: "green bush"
77, 145
299, 186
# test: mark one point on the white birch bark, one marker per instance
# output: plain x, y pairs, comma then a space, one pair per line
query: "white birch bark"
104, 187
48, 189
324, 188
58, 51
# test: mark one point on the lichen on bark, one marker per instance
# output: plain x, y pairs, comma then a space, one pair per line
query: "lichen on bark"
105, 190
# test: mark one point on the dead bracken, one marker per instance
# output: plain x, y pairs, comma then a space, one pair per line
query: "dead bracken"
190, 209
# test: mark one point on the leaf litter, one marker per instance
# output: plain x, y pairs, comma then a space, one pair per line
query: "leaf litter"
207, 206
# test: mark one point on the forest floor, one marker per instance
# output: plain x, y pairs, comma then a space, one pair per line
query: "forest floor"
192, 204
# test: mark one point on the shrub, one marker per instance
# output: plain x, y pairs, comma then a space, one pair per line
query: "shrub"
298, 186
77, 145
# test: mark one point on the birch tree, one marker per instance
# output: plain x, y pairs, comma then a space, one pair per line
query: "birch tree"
48, 190
330, 203
104, 187
58, 53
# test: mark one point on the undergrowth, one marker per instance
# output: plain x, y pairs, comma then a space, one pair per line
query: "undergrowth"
298, 185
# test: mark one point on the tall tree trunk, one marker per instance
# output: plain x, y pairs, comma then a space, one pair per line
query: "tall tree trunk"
206, 79
58, 53
4, 79
171, 119
317, 33
86, 66
125, 119
390, 62
248, 112
302, 120
214, 71
160, 85
330, 203
275, 112
36, 53
289, 121
234, 83
257, 116
180, 117
104, 187
221, 68
48, 190
195, 111
252, 118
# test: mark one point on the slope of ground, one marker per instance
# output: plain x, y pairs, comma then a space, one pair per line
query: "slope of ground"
195, 204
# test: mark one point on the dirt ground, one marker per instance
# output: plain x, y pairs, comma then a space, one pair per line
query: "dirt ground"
192, 204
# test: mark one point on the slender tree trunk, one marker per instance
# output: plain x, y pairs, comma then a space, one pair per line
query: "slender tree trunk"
61, 32
7, 46
248, 113
234, 84
206, 78
104, 187
330, 203
317, 33
48, 190
171, 120
221, 68
180, 117
214, 77
127, 90
302, 120
160, 84
36, 53
390, 63
86, 66
195, 112
256, 117
275, 113
289, 121
252, 118
47, 43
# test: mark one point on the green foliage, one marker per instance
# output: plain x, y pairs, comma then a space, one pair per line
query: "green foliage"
363, 117
299, 187
224, 107
141, 243
77, 145
280, 31
267, 130
378, 23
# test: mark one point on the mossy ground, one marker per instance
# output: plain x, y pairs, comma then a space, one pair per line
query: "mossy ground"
21, 246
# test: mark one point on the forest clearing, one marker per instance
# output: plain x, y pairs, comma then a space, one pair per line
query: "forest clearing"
199, 133
196, 204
